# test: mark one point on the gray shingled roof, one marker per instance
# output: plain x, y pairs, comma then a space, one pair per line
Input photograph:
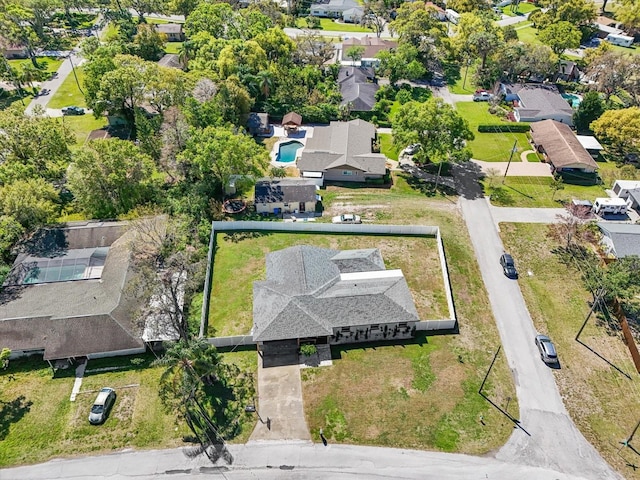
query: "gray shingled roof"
342, 144
625, 237
535, 99
306, 295
74, 318
357, 88
284, 190
169, 27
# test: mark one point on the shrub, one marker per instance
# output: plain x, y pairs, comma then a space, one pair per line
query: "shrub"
308, 349
404, 96
313, 22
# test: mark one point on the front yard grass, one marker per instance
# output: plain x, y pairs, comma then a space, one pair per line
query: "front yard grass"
38, 422
329, 25
420, 394
528, 34
601, 401
536, 192
523, 8
47, 64
82, 125
491, 147
69, 94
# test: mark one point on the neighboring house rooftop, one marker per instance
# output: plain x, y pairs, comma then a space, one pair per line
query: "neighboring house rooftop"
342, 144
539, 101
561, 145
358, 88
625, 238
284, 190
309, 291
169, 28
335, 5
171, 60
65, 293
372, 45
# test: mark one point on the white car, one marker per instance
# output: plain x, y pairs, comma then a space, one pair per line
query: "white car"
346, 218
482, 96
412, 149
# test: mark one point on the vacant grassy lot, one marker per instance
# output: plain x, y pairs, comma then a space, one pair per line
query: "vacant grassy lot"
82, 125
330, 25
69, 94
537, 192
422, 394
522, 9
527, 34
602, 402
491, 147
456, 80
239, 263
38, 422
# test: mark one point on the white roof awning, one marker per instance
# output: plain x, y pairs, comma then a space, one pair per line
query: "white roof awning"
589, 142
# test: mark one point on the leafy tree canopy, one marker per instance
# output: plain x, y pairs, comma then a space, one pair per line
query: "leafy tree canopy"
620, 128
590, 109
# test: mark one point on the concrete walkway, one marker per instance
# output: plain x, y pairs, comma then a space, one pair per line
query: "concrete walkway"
77, 383
280, 407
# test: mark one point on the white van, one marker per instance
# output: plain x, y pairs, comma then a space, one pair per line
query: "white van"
621, 40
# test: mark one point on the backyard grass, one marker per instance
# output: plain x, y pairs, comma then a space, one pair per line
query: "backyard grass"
38, 422
69, 94
491, 147
601, 401
330, 25
386, 146
172, 47
82, 125
238, 263
425, 396
537, 192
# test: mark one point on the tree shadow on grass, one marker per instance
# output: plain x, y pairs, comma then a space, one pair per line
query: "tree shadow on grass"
12, 412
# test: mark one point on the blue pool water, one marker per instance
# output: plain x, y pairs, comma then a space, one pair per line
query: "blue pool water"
573, 100
287, 151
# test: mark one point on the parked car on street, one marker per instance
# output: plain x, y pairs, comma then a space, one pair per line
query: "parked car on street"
100, 409
347, 218
412, 149
73, 111
508, 266
547, 350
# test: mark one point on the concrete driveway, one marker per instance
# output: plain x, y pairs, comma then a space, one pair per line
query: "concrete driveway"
280, 406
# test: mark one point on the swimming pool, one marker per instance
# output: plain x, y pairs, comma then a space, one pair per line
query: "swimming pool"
573, 100
287, 151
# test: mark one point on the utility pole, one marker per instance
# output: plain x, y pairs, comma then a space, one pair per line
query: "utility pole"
514, 149
628, 440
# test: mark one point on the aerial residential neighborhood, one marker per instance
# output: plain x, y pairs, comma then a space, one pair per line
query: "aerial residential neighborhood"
328, 239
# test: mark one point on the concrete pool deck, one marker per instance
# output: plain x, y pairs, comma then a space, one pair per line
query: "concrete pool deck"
278, 131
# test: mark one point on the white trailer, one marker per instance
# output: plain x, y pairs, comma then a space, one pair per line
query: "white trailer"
620, 40
611, 206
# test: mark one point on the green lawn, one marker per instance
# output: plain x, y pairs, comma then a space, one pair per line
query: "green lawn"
598, 398
461, 85
523, 8
172, 47
48, 64
330, 25
536, 192
39, 422
69, 94
491, 147
82, 125
528, 34
10, 98
386, 146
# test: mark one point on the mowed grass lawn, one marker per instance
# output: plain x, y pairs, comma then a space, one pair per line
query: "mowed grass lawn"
39, 422
491, 147
536, 192
420, 394
330, 25
69, 94
82, 125
602, 402
387, 148
172, 47
522, 9
47, 64
238, 264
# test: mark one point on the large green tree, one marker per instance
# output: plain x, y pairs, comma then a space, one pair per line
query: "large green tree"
560, 36
401, 63
628, 12
213, 154
417, 26
590, 109
110, 177
434, 124
619, 128
32, 202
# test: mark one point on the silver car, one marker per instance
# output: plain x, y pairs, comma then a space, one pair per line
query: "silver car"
347, 218
100, 409
547, 350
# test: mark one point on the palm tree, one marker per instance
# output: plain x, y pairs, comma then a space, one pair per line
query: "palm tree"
185, 53
265, 79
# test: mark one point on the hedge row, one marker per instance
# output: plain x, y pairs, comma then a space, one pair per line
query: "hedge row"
511, 128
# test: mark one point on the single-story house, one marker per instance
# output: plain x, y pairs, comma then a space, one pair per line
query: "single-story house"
372, 45
335, 9
173, 31
629, 190
11, 50
292, 121
65, 295
620, 239
358, 86
258, 124
353, 15
590, 144
561, 148
343, 152
326, 296
535, 102
285, 195
171, 60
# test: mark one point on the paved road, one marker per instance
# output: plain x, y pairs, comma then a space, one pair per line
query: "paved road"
551, 440
286, 461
